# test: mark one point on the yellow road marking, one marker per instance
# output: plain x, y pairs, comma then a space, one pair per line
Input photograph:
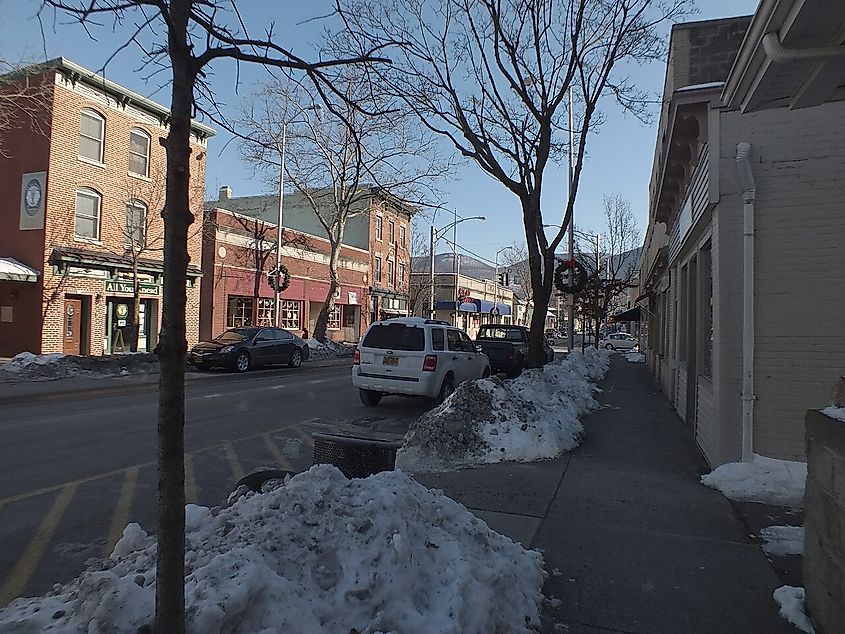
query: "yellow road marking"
190, 480
234, 463
16, 582
283, 462
122, 510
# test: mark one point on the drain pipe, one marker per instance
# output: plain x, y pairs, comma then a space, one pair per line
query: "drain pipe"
746, 178
777, 52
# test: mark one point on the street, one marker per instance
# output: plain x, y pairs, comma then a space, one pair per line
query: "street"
79, 468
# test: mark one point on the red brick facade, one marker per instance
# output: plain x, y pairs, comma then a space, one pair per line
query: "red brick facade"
390, 236
93, 269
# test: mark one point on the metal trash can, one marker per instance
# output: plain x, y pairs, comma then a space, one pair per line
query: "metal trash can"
355, 456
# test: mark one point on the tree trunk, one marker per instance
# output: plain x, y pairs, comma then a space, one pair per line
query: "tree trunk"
135, 313
172, 346
541, 268
334, 283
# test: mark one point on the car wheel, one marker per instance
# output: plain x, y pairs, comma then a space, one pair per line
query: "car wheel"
295, 359
446, 388
486, 373
242, 362
370, 398
609, 346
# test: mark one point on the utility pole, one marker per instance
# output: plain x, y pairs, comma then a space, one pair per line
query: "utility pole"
431, 312
276, 297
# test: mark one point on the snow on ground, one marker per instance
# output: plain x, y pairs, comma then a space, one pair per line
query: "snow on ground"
766, 480
47, 367
318, 554
329, 349
790, 602
783, 540
634, 357
835, 412
532, 417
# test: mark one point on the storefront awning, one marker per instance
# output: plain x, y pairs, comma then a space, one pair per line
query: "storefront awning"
13, 271
466, 307
632, 314
66, 256
485, 307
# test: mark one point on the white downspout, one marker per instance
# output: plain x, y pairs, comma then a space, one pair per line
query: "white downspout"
746, 178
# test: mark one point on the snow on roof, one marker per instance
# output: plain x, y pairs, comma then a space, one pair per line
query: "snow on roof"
319, 553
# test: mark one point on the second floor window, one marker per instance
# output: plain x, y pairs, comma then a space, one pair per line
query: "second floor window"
402, 236
379, 222
390, 272
91, 132
87, 220
391, 227
401, 273
136, 223
377, 267
139, 152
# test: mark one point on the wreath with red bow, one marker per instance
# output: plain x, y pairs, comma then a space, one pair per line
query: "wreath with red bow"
570, 276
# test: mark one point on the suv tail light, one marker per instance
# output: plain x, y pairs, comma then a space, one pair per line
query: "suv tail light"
356, 358
430, 363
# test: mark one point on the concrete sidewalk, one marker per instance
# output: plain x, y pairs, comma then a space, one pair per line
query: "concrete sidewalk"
21, 392
633, 543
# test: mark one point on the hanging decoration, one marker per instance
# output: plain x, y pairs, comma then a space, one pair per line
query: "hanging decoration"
570, 276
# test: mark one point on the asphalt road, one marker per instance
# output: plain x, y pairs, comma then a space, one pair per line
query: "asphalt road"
76, 469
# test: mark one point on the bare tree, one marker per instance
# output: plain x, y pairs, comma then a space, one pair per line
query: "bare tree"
24, 91
493, 78
419, 291
184, 37
339, 160
611, 261
515, 262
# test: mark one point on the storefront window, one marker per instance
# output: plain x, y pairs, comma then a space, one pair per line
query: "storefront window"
291, 314
349, 316
334, 318
239, 312
266, 312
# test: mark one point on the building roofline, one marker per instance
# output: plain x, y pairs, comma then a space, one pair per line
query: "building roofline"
123, 94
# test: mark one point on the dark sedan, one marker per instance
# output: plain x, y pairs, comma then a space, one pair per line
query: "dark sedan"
240, 349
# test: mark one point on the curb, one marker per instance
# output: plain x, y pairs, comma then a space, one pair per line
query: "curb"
191, 377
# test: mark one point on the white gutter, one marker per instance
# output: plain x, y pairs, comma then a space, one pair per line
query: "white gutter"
749, 193
777, 52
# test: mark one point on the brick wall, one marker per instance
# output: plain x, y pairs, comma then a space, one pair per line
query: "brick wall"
824, 524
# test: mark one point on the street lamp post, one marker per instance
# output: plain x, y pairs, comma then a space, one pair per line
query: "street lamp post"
281, 148
436, 234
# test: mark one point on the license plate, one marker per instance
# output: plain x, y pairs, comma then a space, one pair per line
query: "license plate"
391, 361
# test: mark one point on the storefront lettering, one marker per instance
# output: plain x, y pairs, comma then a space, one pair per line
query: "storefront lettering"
116, 286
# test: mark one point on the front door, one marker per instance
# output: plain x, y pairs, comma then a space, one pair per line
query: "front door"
73, 327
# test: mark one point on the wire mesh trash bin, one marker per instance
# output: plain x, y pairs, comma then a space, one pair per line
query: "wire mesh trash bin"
355, 456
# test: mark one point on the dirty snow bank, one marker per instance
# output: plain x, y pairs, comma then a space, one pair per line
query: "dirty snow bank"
318, 554
783, 540
634, 357
765, 480
47, 367
528, 418
790, 602
328, 350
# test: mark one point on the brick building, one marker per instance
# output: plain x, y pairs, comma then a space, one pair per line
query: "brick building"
742, 263
81, 212
240, 241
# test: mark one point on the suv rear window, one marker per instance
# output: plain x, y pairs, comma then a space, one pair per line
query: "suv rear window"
508, 334
395, 337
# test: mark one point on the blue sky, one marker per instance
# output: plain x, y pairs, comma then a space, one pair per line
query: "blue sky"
619, 155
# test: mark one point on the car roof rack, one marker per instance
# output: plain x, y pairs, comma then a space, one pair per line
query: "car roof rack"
439, 322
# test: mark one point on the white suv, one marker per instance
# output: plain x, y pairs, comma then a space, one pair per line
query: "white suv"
416, 356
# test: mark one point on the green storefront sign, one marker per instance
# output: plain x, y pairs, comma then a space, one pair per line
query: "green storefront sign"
115, 286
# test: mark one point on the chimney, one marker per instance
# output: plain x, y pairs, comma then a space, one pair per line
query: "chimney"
225, 193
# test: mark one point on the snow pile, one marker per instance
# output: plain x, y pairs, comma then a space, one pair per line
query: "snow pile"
528, 418
328, 349
766, 480
318, 554
635, 357
835, 412
790, 602
783, 540
47, 367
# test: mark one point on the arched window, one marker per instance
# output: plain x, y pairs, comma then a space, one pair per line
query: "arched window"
92, 128
139, 152
87, 222
136, 223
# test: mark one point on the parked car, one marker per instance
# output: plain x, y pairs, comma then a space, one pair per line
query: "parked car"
242, 349
553, 336
619, 341
507, 347
415, 356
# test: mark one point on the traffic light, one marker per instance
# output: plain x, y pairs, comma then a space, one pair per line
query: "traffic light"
504, 279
